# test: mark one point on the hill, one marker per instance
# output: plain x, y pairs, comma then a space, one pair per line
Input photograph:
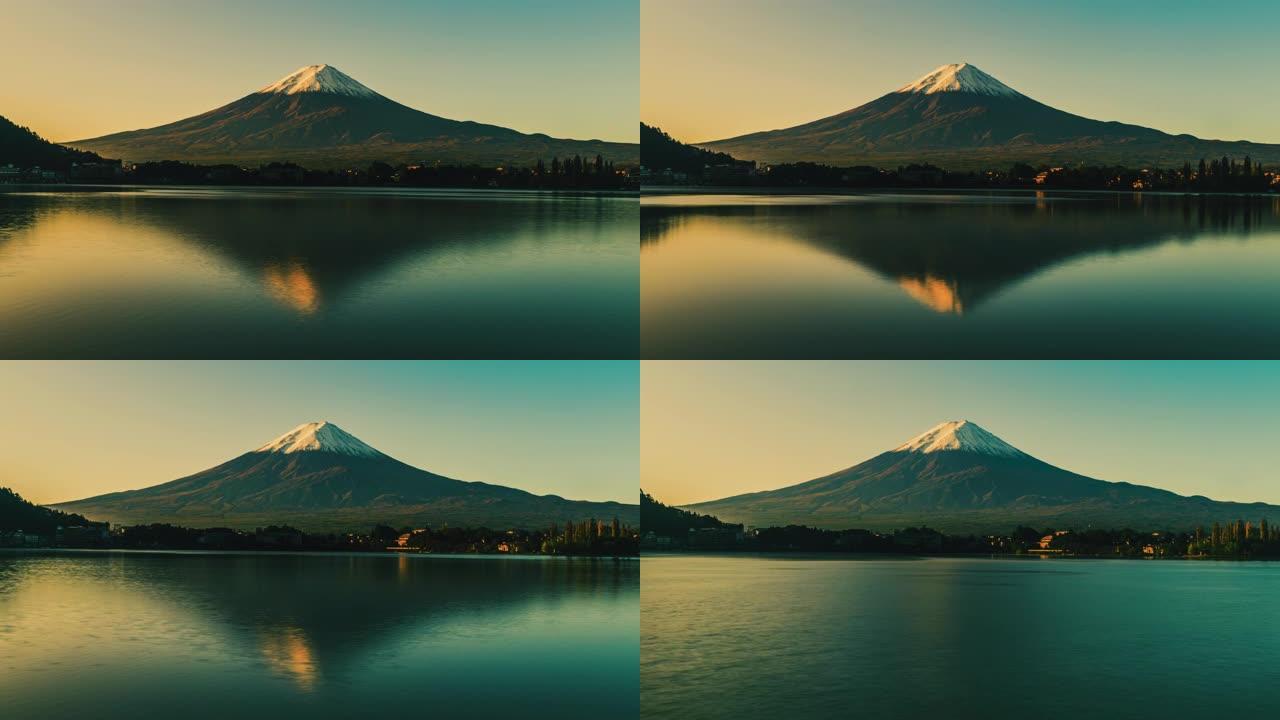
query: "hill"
22, 147
17, 513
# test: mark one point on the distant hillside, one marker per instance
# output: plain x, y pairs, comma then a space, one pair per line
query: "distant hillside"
19, 514
666, 520
660, 151
22, 147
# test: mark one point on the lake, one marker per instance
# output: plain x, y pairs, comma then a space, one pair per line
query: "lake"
740, 636
153, 273
959, 275
206, 635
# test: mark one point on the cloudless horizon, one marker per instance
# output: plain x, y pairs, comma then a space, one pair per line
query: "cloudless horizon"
719, 68
714, 429
77, 429
567, 69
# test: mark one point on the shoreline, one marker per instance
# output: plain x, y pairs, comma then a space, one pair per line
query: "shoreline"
372, 189
313, 553
661, 190
807, 555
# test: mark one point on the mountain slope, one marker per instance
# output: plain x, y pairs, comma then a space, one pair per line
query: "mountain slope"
16, 513
20, 146
319, 117
319, 477
961, 118
958, 477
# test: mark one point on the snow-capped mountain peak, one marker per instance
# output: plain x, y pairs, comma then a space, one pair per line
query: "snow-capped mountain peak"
318, 79
319, 436
959, 77
959, 435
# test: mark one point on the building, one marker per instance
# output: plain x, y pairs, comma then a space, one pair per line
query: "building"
1044, 177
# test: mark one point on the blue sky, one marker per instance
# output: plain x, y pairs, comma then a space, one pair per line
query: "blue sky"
76, 429
714, 429
716, 68
568, 68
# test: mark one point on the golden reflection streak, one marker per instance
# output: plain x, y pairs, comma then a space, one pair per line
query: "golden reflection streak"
935, 293
287, 652
293, 286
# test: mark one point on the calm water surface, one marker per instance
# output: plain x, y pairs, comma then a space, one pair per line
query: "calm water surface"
263, 273
1012, 275
737, 637
130, 635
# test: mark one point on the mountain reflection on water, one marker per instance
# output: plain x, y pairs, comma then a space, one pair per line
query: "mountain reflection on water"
334, 273
327, 631
1076, 262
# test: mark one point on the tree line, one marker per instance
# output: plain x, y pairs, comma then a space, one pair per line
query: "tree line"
18, 513
669, 528
1238, 538
576, 173
660, 152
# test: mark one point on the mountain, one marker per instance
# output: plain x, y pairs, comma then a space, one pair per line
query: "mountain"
319, 477
16, 513
22, 147
659, 151
961, 118
320, 117
958, 477
662, 519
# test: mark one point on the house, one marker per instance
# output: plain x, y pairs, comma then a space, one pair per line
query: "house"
1045, 176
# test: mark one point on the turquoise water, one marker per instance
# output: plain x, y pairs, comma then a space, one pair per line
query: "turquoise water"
317, 273
132, 635
737, 637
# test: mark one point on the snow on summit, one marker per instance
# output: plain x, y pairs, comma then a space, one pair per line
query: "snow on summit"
319, 436
318, 79
959, 77
959, 435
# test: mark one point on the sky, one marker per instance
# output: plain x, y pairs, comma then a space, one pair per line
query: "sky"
718, 68
72, 430
568, 68
714, 429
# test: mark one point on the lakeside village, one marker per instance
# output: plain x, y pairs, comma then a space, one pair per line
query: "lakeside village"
570, 173
670, 529
585, 538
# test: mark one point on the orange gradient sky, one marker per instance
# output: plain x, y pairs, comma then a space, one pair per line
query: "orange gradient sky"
713, 429
714, 69
76, 69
